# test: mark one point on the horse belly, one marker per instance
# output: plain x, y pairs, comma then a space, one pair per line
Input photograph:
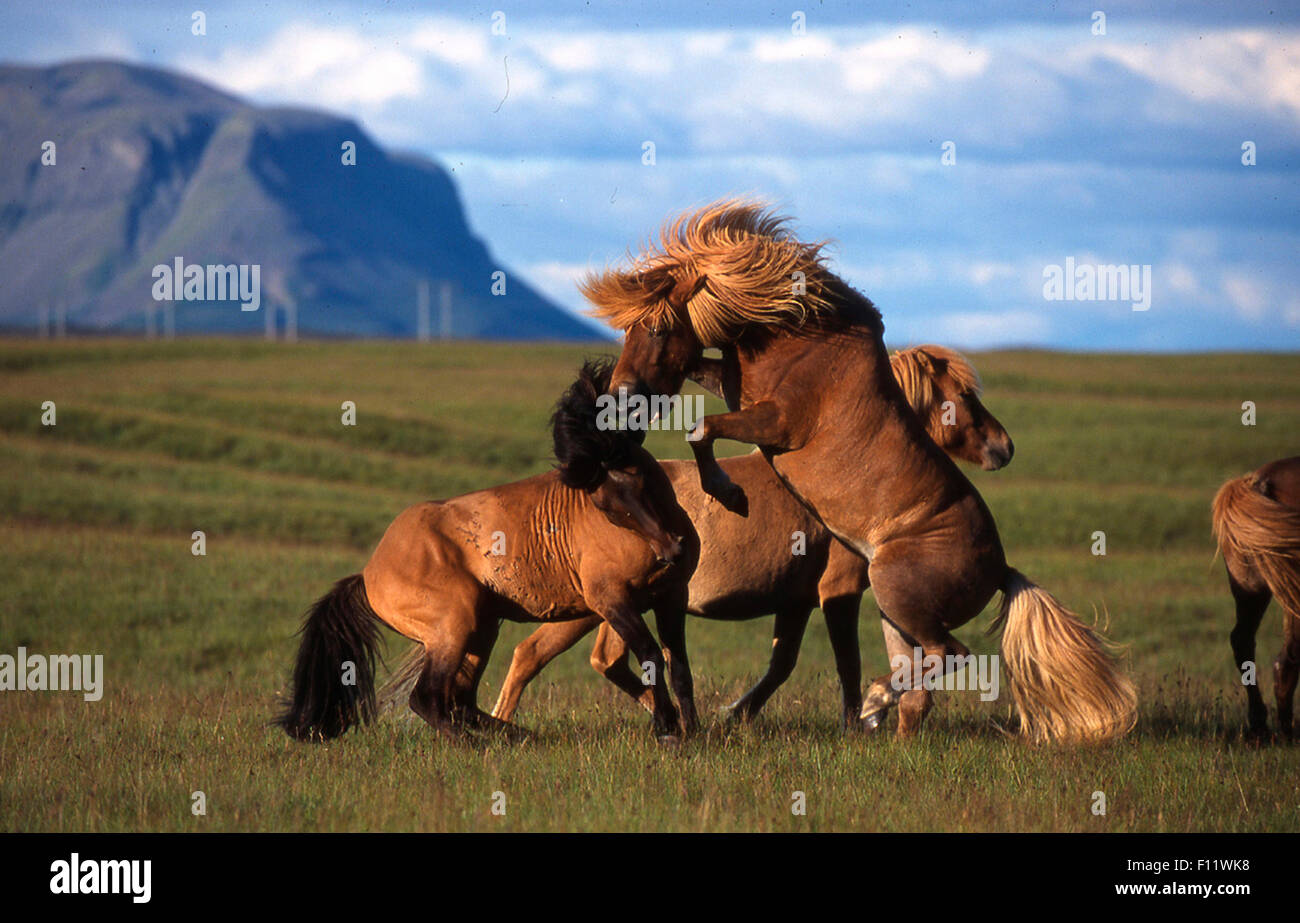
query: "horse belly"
747, 579
525, 592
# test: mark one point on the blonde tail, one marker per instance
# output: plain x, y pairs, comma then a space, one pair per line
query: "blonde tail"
1260, 533
1065, 681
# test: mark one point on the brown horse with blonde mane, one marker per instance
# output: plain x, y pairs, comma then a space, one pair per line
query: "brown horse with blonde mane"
805, 372
1257, 524
601, 536
780, 559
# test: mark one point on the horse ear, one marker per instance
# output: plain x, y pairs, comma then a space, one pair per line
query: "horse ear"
686, 288
935, 364
660, 282
655, 282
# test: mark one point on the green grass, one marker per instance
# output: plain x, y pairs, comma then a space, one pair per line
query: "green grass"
243, 440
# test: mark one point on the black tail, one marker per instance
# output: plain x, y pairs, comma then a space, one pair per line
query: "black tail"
328, 697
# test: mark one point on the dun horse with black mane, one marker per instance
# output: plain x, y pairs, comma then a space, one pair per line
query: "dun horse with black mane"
603, 535
805, 373
779, 558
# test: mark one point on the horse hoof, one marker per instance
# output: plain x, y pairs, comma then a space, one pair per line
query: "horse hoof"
872, 721
735, 501
670, 741
735, 713
1259, 737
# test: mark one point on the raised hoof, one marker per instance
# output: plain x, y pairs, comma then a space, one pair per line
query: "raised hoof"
727, 492
734, 500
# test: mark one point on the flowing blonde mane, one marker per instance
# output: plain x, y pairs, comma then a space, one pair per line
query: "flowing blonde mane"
914, 369
720, 269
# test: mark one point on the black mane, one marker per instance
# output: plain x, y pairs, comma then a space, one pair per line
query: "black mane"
582, 450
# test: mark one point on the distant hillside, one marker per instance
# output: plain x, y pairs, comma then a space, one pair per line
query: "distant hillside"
152, 166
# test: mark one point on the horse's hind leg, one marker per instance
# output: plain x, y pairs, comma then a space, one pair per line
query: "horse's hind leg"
905, 686
477, 651
439, 691
1251, 604
609, 659
531, 656
1285, 670
787, 636
842, 626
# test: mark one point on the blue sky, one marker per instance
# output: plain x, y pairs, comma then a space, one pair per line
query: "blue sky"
1122, 148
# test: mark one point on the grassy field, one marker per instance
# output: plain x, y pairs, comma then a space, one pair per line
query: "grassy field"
243, 440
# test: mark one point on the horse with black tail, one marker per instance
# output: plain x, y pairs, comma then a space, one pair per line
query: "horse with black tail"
601, 535
749, 566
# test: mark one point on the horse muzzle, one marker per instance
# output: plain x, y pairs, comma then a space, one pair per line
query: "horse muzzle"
998, 456
669, 552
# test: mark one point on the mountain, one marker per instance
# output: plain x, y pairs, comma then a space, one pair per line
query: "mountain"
151, 166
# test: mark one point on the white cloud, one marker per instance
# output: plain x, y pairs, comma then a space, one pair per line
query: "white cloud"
1242, 67
559, 280
453, 41
736, 91
1248, 295
842, 128
1180, 279
910, 61
321, 66
984, 272
1291, 313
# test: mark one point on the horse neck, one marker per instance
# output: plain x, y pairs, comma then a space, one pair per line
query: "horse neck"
861, 437
551, 521
843, 364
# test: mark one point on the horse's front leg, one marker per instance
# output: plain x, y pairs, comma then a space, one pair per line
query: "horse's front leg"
631, 627
1286, 670
761, 424
787, 636
671, 620
1251, 606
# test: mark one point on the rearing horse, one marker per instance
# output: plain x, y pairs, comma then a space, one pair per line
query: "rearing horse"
779, 558
805, 372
